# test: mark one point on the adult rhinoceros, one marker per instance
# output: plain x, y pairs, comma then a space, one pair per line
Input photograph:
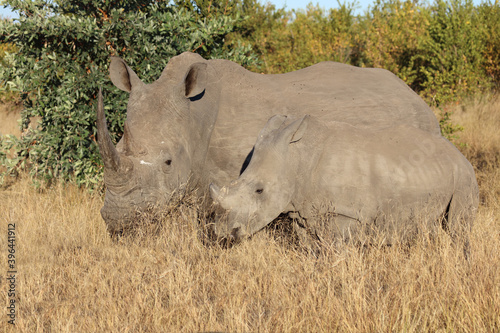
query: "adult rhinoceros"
390, 179
198, 121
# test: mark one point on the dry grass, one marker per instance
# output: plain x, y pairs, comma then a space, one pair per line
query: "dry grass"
72, 277
480, 143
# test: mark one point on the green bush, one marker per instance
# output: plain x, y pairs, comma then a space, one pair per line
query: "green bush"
444, 50
391, 36
62, 59
6, 48
452, 60
290, 40
490, 14
440, 50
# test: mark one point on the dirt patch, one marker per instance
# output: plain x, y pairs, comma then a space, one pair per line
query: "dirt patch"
10, 114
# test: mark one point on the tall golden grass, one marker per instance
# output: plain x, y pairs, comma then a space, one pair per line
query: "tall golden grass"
72, 277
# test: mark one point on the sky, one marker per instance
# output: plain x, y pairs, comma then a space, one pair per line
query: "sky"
290, 4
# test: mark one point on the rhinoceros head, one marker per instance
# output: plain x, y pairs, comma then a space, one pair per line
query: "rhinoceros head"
166, 136
266, 186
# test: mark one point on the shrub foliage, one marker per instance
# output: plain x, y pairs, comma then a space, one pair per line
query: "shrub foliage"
63, 54
444, 50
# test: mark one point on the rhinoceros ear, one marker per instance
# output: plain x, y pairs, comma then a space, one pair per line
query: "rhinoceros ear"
272, 124
195, 80
296, 130
122, 76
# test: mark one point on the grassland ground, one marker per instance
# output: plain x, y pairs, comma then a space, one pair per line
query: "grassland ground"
9, 116
73, 277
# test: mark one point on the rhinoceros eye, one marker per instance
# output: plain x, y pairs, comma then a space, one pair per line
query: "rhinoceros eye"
259, 190
166, 167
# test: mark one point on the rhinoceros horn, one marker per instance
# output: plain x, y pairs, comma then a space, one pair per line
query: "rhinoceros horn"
214, 192
109, 154
218, 194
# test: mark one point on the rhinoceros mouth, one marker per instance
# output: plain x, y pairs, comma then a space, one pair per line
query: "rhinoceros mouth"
117, 219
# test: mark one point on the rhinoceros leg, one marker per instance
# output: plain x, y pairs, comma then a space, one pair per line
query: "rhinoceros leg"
460, 215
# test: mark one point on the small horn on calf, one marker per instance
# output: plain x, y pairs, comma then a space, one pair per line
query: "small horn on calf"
109, 155
214, 192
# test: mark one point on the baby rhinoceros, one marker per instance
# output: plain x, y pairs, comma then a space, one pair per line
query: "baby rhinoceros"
387, 178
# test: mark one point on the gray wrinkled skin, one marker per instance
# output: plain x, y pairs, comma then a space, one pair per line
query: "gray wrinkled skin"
364, 176
198, 121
